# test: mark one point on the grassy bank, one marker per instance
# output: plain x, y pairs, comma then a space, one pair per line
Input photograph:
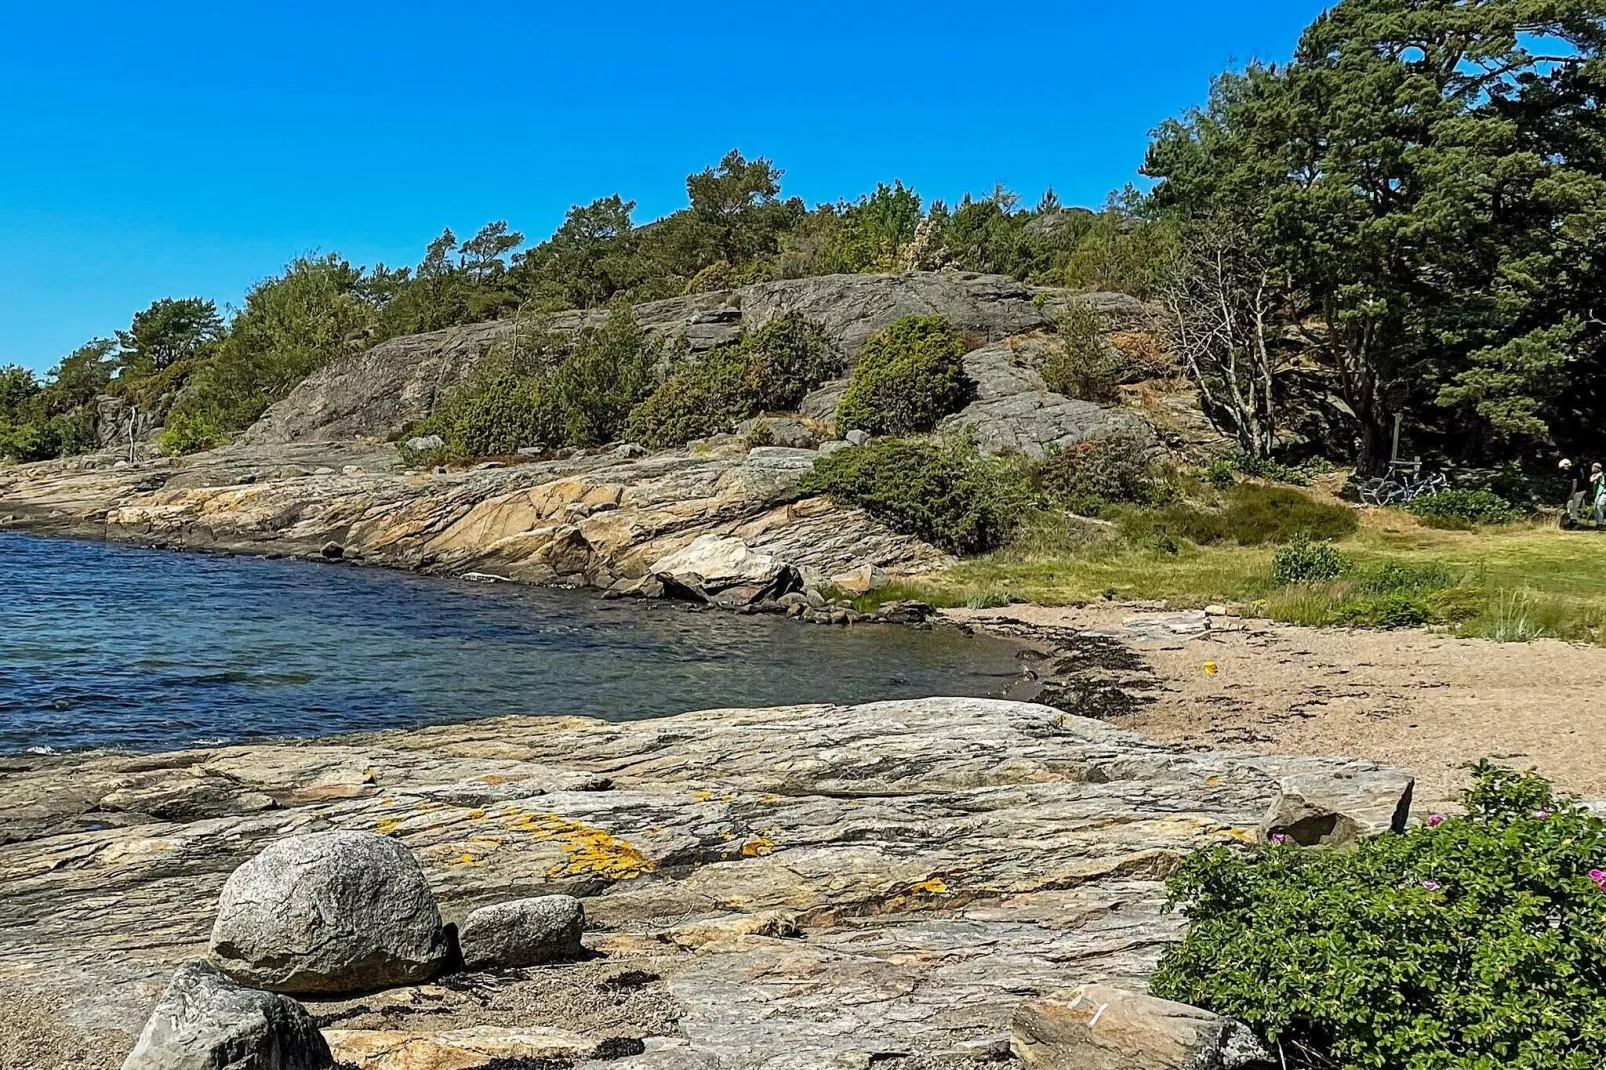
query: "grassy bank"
1510, 582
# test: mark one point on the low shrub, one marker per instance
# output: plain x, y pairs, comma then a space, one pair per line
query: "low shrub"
1221, 472
770, 369
1105, 470
1266, 468
580, 398
1083, 365
1466, 506
185, 432
705, 395
1256, 515
1160, 528
947, 493
908, 378
1464, 943
1302, 560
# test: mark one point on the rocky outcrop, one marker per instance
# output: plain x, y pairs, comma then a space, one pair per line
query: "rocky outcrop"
204, 1021
836, 885
525, 932
1015, 412
583, 520
332, 912
397, 383
1098, 1027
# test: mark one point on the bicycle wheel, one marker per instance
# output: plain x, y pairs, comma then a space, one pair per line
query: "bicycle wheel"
1378, 491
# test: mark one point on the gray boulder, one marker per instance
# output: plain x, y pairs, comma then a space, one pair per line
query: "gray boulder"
1337, 809
426, 443
525, 932
204, 1021
725, 570
1014, 410
329, 913
1102, 1028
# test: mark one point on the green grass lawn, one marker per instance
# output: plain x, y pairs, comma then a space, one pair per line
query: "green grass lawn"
1519, 581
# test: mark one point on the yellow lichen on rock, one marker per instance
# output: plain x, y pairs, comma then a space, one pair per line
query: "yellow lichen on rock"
589, 849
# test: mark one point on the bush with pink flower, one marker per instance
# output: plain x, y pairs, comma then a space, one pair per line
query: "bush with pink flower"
1469, 942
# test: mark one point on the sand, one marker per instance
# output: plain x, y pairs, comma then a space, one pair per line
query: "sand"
1423, 702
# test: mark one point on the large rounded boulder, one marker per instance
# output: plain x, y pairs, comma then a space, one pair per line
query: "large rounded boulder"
330, 913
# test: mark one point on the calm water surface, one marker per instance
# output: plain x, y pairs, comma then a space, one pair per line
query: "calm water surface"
112, 646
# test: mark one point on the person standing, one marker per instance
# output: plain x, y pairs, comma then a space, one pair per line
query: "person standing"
1597, 493
1572, 514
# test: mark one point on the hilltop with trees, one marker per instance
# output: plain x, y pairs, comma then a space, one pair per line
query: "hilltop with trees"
1408, 217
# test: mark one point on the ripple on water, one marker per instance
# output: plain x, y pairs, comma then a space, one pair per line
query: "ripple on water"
105, 645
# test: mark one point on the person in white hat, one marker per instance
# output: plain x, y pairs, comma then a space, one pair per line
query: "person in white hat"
1575, 494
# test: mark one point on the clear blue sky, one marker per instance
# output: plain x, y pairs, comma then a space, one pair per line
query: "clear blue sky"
178, 149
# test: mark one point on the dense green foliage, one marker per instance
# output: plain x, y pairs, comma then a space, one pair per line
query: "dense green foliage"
1082, 364
1468, 506
908, 378
947, 493
769, 369
1468, 942
553, 392
1426, 184
1304, 560
1108, 469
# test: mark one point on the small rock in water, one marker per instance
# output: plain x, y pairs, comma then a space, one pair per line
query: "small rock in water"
332, 912
333, 551
204, 1021
525, 932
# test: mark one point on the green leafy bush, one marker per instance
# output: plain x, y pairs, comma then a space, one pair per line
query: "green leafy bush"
908, 378
1467, 943
706, 395
1266, 468
770, 369
1107, 469
947, 493
1302, 560
1083, 365
581, 398
186, 432
1468, 506
1221, 472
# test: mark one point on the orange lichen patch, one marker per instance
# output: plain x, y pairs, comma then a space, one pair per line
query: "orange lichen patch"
703, 796
934, 886
590, 850
388, 825
757, 847
474, 815
1212, 781
1241, 835
496, 778
485, 841
465, 859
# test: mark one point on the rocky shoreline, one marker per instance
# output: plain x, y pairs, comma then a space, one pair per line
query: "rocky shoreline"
808, 886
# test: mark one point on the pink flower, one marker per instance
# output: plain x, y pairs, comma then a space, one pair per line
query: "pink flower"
1432, 886
1599, 877
1435, 821
1281, 839
1541, 814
